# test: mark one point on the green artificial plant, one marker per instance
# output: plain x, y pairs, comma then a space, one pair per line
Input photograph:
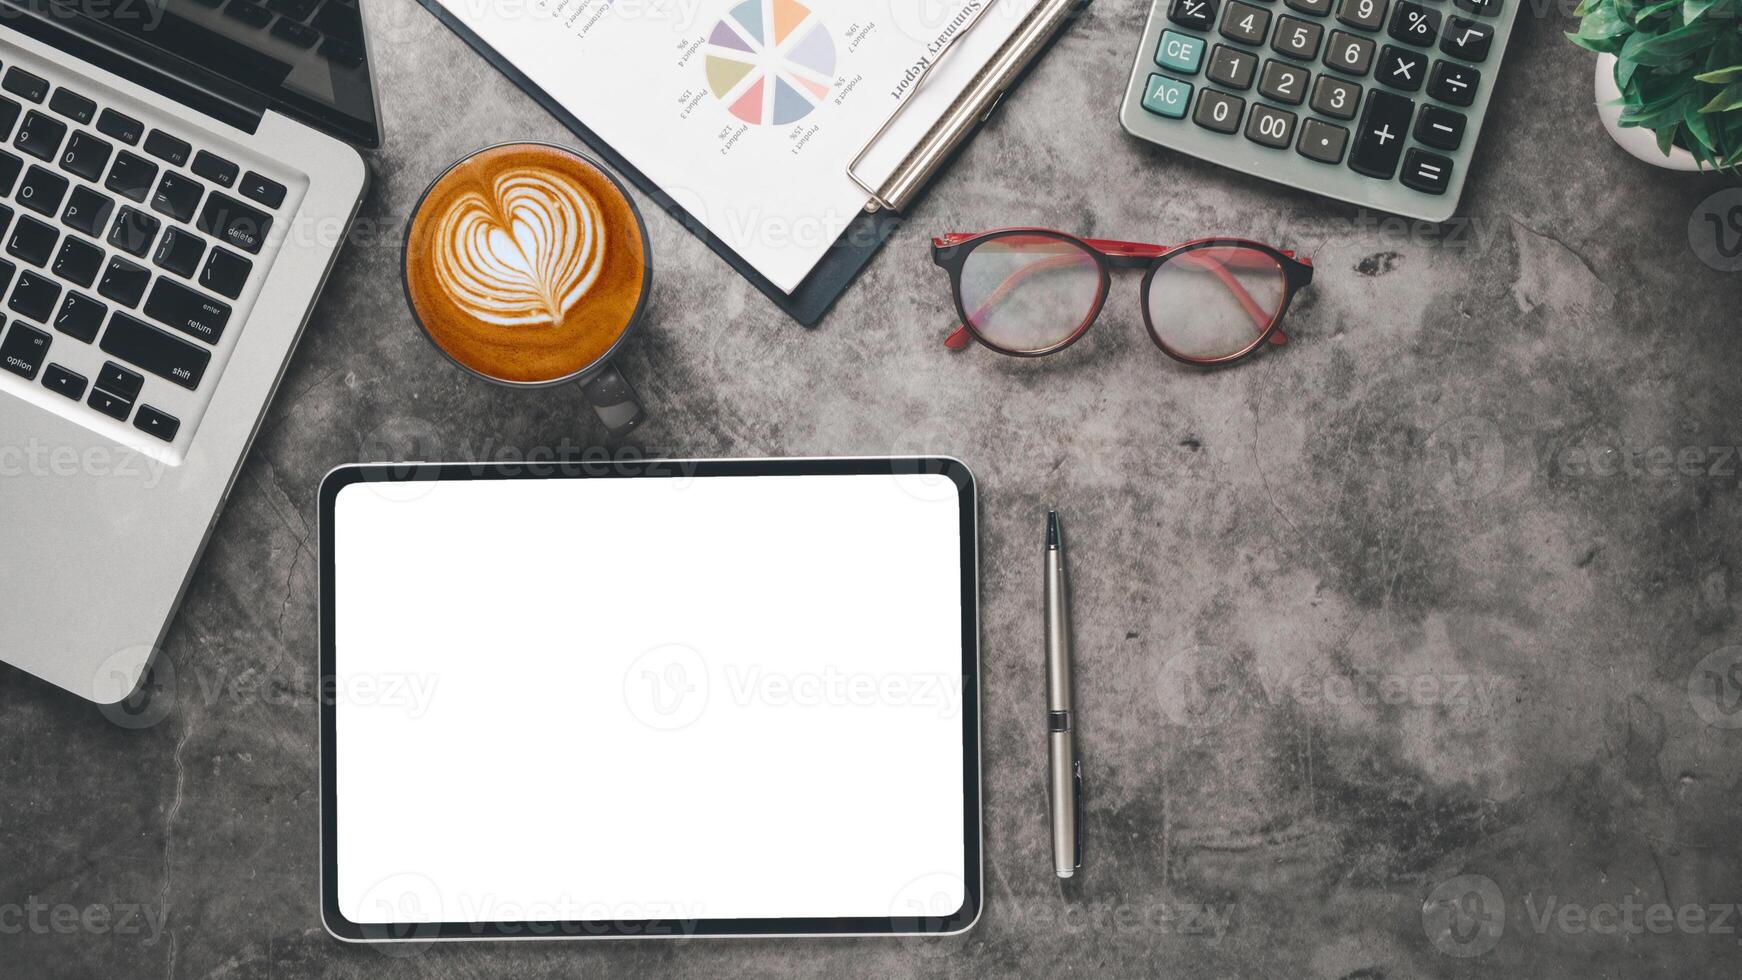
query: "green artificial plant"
1679, 68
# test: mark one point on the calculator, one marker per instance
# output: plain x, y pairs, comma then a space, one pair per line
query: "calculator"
1373, 102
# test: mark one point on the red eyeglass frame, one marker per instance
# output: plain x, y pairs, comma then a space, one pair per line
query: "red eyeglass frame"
950, 252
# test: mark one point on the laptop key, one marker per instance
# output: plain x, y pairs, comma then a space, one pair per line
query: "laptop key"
225, 273
22, 83
42, 190
40, 135
23, 350
87, 211
144, 346
7, 270
175, 305
124, 282
73, 105
119, 125
168, 148
32, 240
9, 111
115, 408
86, 156
229, 220
131, 176
294, 33
134, 231
179, 252
78, 262
177, 196
80, 317
10, 168
215, 168
117, 380
262, 189
64, 382
34, 296
153, 422
249, 12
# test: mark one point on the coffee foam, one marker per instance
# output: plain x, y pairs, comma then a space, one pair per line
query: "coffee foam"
526, 254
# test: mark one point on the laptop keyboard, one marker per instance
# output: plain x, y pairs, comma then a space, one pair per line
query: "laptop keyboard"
127, 252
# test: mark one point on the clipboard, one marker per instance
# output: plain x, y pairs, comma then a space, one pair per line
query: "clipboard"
867, 232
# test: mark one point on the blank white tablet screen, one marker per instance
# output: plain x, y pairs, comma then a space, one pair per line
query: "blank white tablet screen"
621, 699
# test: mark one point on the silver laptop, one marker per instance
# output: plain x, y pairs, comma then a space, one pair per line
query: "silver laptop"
176, 177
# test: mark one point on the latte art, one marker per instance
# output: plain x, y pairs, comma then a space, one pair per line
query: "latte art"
525, 254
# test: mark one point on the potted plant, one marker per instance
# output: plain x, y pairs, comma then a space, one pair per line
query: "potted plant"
1671, 68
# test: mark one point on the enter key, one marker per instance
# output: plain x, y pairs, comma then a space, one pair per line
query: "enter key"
195, 314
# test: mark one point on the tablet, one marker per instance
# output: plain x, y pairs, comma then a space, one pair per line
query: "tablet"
634, 697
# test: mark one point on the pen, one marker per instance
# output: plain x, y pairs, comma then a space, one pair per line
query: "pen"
1064, 770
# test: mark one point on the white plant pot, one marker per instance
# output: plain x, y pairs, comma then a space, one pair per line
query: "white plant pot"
1639, 143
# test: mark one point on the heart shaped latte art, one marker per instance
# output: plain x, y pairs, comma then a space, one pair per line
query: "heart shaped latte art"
525, 258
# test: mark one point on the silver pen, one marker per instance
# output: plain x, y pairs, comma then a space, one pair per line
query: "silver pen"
1064, 769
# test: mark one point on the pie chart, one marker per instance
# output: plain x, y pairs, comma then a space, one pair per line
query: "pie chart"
770, 62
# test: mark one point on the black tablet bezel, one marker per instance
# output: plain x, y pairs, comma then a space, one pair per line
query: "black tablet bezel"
972, 876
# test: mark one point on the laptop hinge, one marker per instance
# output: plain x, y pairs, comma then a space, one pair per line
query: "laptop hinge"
103, 46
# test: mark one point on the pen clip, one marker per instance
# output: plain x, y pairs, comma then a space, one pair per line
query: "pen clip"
1077, 778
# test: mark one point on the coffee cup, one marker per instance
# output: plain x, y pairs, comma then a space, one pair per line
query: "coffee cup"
529, 265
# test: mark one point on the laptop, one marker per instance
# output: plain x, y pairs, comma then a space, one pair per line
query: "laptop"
176, 178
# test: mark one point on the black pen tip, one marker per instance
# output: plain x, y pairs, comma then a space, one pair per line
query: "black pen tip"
1052, 529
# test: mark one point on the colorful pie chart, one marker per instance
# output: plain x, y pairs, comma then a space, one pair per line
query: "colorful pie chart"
770, 61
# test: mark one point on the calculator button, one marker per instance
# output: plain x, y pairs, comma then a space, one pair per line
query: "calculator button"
1322, 141
1245, 23
1481, 8
1365, 14
1336, 98
1165, 97
1270, 126
1349, 53
1297, 38
1317, 8
1180, 52
1219, 111
1282, 82
1466, 40
1400, 68
1232, 67
1439, 127
1199, 15
1379, 137
1414, 24
1452, 83
1427, 172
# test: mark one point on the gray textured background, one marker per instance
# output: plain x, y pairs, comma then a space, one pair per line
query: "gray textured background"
1401, 504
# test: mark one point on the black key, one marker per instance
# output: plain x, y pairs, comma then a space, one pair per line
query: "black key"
1439, 127
134, 231
1317, 8
1336, 98
131, 176
78, 261
294, 9
1454, 83
86, 155
40, 135
1245, 23
226, 273
215, 168
350, 56
229, 220
9, 111
73, 105
34, 296
175, 305
1199, 15
1297, 38
117, 380
1231, 66
115, 408
249, 12
1322, 141
1365, 14
87, 211
58, 379
124, 282
1283, 82
1481, 8
166, 147
1349, 53
1218, 111
1414, 24
300, 35
5, 219
23, 350
6, 271
10, 168
80, 317
145, 346
1427, 172
1269, 126
25, 85
1400, 68
32, 240
42, 190
177, 196
119, 125
1379, 137
156, 423
1467, 40
264, 190
180, 252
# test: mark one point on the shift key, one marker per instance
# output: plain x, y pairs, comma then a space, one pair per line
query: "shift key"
239, 224
175, 305
142, 345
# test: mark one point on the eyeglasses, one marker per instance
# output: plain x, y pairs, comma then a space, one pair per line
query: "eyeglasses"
1031, 291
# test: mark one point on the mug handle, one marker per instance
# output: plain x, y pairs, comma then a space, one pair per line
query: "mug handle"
615, 401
